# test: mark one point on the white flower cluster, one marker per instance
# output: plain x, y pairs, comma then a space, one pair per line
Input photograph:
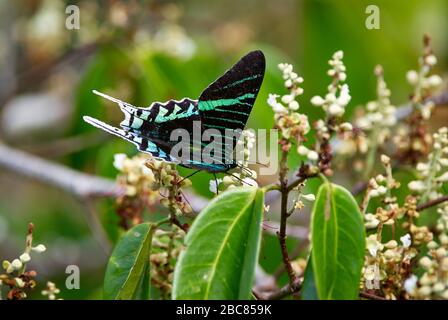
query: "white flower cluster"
382, 259
423, 82
134, 171
381, 186
380, 113
433, 172
19, 263
338, 95
242, 175
286, 115
433, 283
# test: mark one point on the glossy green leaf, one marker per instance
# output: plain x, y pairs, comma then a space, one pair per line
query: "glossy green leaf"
128, 264
222, 248
309, 291
338, 243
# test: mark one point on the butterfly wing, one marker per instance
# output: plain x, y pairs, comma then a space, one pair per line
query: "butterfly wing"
142, 143
227, 102
157, 122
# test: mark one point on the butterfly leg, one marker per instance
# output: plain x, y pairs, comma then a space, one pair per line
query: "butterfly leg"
216, 183
238, 178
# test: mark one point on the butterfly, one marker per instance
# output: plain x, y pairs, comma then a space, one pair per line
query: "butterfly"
223, 107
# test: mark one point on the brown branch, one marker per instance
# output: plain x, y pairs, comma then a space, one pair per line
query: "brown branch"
285, 291
294, 255
370, 296
65, 146
284, 217
35, 75
432, 203
77, 183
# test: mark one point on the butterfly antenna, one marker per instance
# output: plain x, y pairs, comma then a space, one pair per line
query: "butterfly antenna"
189, 176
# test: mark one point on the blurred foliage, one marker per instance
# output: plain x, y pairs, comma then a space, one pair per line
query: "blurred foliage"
145, 51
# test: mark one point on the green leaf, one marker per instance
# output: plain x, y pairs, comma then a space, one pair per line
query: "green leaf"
125, 274
309, 291
222, 248
338, 243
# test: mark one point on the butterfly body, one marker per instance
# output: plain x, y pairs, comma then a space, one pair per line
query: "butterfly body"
222, 108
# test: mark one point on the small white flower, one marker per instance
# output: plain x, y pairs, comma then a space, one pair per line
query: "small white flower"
406, 240
443, 177
344, 97
16, 264
335, 110
302, 150
119, 159
416, 186
374, 193
287, 98
412, 77
434, 81
294, 105
346, 126
39, 248
373, 245
385, 159
338, 55
279, 108
422, 166
312, 155
392, 244
272, 99
317, 101
431, 60
425, 262
25, 257
410, 284
444, 162
382, 190
309, 197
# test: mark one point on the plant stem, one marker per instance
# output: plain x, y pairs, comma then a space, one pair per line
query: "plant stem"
284, 216
432, 203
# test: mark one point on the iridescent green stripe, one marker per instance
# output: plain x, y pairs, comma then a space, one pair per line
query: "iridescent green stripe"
214, 126
232, 111
242, 80
228, 120
212, 104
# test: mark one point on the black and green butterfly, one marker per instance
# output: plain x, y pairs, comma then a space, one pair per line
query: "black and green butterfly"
223, 106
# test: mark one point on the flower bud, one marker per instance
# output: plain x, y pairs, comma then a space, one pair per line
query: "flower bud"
16, 264
317, 101
39, 248
312, 155
309, 197
25, 257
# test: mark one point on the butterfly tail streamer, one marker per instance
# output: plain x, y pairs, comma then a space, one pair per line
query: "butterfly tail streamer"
142, 143
128, 109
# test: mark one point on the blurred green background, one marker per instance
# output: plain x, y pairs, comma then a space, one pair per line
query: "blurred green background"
144, 51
